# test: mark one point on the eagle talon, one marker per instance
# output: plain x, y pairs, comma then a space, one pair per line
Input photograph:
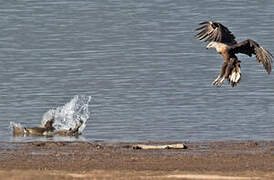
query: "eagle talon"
220, 84
217, 83
214, 83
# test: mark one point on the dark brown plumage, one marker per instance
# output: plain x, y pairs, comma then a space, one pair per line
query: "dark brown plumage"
250, 47
213, 31
221, 38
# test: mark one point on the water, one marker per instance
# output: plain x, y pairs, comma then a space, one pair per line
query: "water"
70, 115
149, 79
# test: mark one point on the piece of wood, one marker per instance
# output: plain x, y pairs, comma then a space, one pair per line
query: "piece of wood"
166, 146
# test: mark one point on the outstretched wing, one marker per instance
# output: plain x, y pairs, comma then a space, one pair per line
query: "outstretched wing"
214, 31
250, 47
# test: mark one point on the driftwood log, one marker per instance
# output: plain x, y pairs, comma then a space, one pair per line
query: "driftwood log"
166, 146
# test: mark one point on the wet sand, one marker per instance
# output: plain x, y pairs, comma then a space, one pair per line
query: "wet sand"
100, 160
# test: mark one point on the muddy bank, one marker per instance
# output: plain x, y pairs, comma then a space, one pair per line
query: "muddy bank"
65, 160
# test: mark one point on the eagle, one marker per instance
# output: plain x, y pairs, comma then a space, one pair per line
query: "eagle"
221, 38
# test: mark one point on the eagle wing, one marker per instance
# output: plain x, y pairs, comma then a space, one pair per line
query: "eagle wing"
250, 47
214, 31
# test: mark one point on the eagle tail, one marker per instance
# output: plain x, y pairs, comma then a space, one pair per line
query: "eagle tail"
235, 75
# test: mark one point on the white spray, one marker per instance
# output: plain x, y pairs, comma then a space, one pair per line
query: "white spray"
68, 116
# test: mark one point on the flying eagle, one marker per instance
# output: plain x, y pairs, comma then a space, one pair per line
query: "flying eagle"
224, 42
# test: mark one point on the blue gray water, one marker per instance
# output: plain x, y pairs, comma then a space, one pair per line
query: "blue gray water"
148, 77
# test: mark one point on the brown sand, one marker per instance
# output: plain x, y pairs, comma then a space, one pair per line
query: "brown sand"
83, 160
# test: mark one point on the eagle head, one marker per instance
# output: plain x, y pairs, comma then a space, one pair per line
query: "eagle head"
220, 47
211, 45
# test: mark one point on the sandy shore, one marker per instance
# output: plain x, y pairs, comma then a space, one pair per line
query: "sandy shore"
99, 160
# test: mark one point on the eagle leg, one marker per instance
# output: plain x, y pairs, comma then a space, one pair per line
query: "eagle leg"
216, 81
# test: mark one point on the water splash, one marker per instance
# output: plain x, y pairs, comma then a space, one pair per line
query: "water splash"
13, 124
68, 116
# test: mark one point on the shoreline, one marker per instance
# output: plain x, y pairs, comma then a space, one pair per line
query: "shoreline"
233, 159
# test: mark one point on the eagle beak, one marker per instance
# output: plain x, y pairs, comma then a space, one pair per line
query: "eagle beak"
209, 46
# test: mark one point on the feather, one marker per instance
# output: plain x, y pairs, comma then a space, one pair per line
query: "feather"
214, 31
235, 75
250, 47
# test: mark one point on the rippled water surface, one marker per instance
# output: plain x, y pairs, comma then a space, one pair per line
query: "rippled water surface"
148, 77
